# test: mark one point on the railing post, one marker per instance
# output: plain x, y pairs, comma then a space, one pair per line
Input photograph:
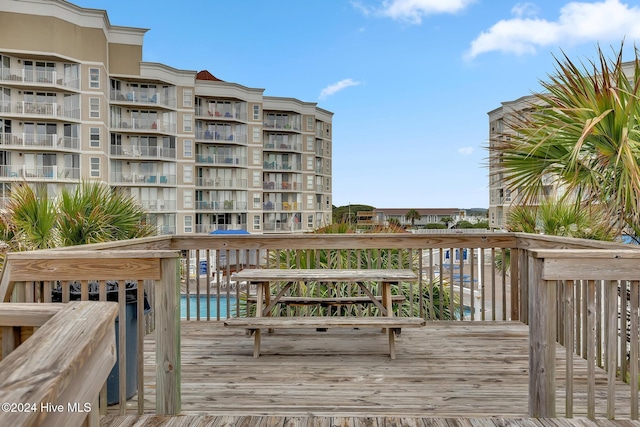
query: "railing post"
167, 308
542, 342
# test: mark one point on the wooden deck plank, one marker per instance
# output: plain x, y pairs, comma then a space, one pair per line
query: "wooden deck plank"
442, 370
337, 421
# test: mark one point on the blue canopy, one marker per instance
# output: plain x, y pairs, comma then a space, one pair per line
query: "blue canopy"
230, 232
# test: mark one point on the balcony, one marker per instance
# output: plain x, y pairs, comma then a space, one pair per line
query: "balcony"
222, 159
208, 228
283, 146
45, 110
24, 77
219, 183
282, 124
142, 98
221, 114
158, 205
540, 344
40, 173
154, 179
28, 140
284, 206
144, 126
285, 186
147, 152
282, 166
217, 136
221, 206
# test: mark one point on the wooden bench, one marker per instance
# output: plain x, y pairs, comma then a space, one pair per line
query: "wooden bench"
392, 324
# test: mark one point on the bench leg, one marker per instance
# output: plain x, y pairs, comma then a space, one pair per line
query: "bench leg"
256, 343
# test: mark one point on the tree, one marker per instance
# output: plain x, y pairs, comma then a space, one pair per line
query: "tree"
446, 220
413, 216
582, 134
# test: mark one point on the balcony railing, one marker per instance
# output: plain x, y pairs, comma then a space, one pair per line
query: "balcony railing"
221, 205
221, 183
287, 146
39, 78
283, 206
143, 125
282, 166
40, 172
25, 140
578, 294
297, 186
149, 152
158, 205
208, 228
40, 109
222, 159
224, 114
281, 124
142, 97
217, 136
143, 178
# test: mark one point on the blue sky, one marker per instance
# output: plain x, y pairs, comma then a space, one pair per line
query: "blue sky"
410, 81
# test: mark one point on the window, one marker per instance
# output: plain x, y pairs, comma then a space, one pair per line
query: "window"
309, 182
309, 221
187, 199
94, 108
309, 163
95, 167
187, 173
310, 144
187, 98
187, 125
94, 137
309, 202
188, 224
256, 200
256, 179
187, 149
94, 78
256, 222
256, 112
256, 157
328, 184
310, 121
256, 134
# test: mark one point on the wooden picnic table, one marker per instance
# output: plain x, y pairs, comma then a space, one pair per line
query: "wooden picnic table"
265, 301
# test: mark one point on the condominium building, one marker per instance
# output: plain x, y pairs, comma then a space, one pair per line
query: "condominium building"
200, 154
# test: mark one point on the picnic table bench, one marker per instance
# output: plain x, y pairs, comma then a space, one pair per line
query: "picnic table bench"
265, 302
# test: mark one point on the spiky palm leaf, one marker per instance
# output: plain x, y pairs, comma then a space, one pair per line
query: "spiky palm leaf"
585, 133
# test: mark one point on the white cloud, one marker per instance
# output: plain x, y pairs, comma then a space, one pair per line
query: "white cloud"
524, 9
337, 87
579, 22
465, 151
413, 11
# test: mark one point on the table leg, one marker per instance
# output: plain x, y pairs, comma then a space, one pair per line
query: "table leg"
261, 289
387, 303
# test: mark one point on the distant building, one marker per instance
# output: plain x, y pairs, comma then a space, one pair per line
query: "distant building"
427, 215
77, 102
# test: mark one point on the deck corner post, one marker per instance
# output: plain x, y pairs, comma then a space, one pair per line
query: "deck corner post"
542, 340
167, 308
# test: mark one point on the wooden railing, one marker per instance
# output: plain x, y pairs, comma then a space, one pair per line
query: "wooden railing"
53, 379
36, 276
586, 300
495, 277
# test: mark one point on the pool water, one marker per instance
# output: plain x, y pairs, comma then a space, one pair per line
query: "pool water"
194, 305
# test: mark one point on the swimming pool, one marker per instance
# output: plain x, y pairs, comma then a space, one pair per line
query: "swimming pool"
201, 305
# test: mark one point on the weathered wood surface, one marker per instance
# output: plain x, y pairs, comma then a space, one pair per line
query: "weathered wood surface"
66, 361
19, 314
294, 322
325, 275
444, 369
337, 421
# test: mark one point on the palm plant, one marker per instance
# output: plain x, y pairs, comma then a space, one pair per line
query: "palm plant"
581, 134
413, 216
91, 213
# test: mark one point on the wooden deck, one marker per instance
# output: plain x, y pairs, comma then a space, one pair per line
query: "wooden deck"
444, 369
312, 421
